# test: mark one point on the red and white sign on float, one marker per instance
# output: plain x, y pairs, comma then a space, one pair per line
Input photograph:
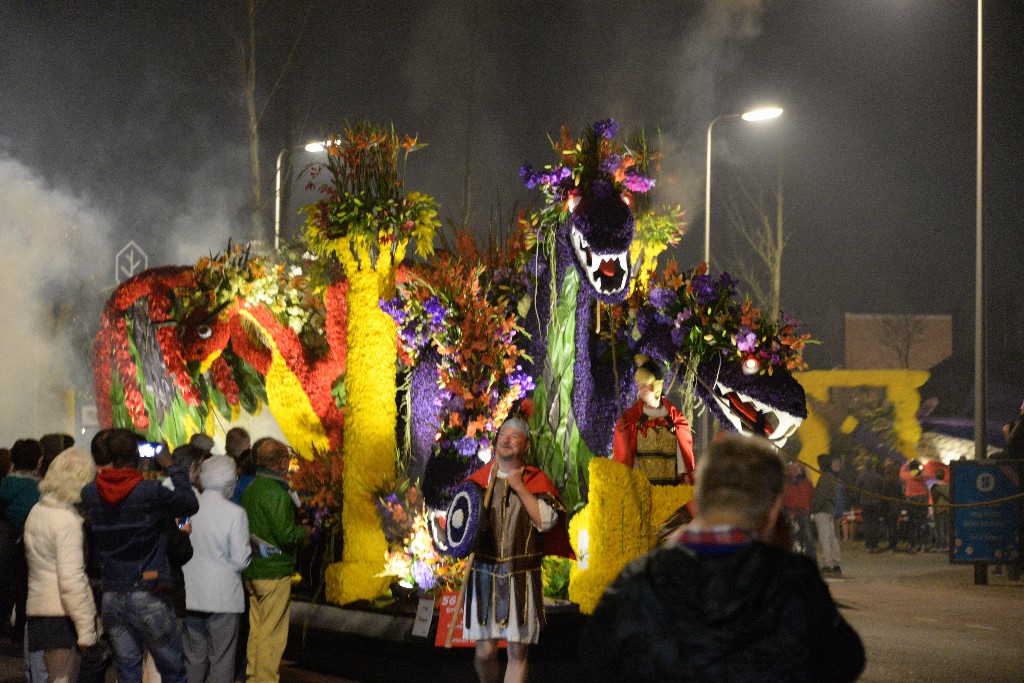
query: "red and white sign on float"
446, 605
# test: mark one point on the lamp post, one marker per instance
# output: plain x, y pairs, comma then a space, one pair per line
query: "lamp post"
980, 379
313, 146
762, 114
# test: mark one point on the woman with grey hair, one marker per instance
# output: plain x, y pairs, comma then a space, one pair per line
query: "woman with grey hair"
60, 608
213, 580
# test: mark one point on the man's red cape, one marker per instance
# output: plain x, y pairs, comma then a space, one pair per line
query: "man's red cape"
556, 541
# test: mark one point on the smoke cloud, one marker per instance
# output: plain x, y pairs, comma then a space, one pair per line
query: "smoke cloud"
54, 252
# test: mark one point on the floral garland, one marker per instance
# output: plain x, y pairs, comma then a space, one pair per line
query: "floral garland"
364, 209
318, 483
703, 317
463, 314
594, 157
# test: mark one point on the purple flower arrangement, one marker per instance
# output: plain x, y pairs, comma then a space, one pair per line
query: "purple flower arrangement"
595, 158
705, 318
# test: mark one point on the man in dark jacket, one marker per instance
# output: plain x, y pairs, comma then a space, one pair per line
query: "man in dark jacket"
827, 507
129, 518
870, 484
718, 602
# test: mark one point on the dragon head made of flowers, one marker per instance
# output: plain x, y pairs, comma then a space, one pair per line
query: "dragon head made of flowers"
587, 207
737, 359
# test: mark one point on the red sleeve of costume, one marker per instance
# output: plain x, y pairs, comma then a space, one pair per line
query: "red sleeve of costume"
624, 441
482, 476
556, 540
683, 435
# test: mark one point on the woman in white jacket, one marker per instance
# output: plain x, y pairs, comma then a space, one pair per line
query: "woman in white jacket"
60, 608
213, 582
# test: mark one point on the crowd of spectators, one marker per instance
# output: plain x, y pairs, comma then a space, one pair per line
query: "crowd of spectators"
145, 559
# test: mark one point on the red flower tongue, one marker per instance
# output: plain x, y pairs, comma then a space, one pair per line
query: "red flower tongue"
608, 267
746, 410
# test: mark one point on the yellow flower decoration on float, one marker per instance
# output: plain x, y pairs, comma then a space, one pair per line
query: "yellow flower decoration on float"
370, 419
288, 401
665, 500
901, 390
365, 219
620, 523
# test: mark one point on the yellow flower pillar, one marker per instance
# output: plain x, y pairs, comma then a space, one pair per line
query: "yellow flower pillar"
370, 419
619, 524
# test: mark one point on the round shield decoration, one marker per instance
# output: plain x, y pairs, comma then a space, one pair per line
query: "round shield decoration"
463, 519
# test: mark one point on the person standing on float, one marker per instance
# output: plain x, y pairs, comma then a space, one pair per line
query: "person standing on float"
652, 435
524, 522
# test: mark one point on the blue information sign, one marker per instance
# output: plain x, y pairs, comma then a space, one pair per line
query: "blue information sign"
990, 532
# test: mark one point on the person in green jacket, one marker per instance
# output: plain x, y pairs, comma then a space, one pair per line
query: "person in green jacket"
275, 536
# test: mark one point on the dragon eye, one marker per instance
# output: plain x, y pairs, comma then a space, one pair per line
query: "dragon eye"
204, 331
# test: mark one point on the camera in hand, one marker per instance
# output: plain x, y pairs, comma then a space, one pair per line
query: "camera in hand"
150, 449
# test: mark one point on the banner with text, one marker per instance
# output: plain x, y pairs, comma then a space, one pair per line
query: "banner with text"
989, 530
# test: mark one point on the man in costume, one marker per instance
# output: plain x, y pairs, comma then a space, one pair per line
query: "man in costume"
721, 602
524, 521
652, 435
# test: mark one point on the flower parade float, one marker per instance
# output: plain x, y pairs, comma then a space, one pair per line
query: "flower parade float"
390, 374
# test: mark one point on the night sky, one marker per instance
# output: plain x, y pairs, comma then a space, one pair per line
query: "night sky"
119, 124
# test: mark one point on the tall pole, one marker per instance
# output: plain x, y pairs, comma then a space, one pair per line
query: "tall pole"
704, 428
313, 146
980, 388
277, 201
764, 114
707, 189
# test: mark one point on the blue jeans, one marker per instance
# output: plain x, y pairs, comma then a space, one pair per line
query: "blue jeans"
139, 620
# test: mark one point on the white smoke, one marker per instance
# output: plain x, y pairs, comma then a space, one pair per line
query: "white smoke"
55, 263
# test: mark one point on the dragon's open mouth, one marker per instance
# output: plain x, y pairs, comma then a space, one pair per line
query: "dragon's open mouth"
749, 416
607, 272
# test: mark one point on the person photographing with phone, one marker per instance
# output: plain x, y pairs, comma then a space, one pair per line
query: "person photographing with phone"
129, 516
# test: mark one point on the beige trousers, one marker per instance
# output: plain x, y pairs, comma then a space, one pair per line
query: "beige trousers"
269, 601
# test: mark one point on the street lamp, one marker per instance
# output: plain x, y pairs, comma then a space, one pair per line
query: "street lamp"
763, 114
980, 361
312, 146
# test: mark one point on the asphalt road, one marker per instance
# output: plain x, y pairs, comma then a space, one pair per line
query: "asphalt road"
924, 620
12, 670
921, 619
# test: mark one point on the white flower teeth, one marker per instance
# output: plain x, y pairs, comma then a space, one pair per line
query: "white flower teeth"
782, 424
593, 265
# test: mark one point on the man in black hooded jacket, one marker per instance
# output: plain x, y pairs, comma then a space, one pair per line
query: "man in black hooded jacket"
129, 517
718, 602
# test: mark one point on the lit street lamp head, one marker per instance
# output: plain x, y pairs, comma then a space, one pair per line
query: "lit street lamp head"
762, 114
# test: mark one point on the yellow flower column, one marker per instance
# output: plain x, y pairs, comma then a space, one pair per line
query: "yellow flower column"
370, 420
619, 524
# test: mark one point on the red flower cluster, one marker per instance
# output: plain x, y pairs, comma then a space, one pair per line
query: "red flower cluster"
127, 373
223, 379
